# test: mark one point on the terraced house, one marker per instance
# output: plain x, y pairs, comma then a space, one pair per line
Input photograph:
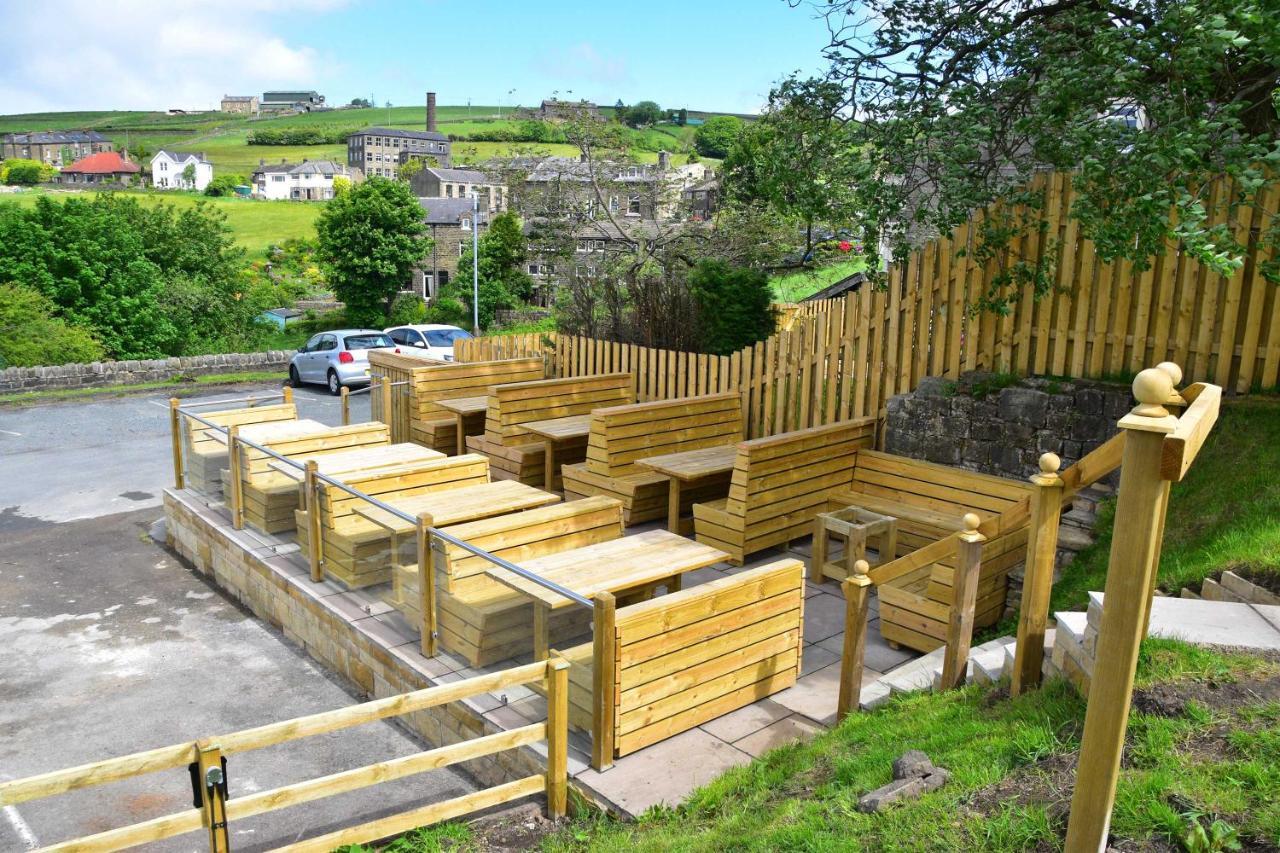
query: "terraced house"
57, 148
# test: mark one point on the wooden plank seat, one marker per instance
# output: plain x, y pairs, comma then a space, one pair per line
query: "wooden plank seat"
204, 450
429, 381
270, 496
356, 551
622, 437
779, 485
930, 501
517, 454
671, 663
481, 619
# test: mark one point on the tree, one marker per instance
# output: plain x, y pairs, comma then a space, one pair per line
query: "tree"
24, 172
735, 306
361, 102
406, 170
643, 114
1143, 100
716, 136
682, 117
32, 334
224, 185
370, 240
189, 176
503, 282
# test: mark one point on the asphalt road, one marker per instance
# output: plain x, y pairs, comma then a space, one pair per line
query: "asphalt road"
111, 645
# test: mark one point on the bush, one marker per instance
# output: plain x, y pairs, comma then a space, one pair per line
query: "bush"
225, 185
311, 135
407, 310
735, 306
31, 333
642, 114
25, 172
717, 135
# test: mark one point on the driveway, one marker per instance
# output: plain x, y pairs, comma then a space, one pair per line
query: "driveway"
113, 646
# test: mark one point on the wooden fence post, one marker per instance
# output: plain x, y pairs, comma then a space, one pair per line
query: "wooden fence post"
311, 494
346, 405
175, 430
964, 595
287, 393
1042, 552
213, 784
1124, 609
602, 677
234, 454
857, 593
426, 584
557, 736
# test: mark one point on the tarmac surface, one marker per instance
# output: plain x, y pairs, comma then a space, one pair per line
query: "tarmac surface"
112, 645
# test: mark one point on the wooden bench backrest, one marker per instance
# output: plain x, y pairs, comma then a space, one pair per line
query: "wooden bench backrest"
936, 487
466, 379
199, 437
793, 472
417, 478
686, 658
255, 464
520, 536
623, 435
511, 405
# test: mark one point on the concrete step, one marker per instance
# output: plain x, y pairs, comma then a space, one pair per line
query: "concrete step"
915, 674
1212, 623
874, 695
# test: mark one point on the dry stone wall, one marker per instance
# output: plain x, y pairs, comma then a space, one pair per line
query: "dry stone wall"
108, 373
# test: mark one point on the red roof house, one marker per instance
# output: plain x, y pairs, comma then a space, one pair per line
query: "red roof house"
107, 167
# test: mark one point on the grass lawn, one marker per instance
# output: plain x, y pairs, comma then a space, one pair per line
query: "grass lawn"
179, 386
254, 224
794, 286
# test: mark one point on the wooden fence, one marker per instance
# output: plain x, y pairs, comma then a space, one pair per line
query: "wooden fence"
845, 357
206, 762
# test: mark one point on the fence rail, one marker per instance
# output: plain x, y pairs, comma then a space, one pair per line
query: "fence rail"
206, 761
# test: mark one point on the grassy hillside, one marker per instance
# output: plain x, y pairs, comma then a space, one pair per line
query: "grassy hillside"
254, 224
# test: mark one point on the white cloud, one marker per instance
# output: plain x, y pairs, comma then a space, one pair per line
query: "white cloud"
134, 54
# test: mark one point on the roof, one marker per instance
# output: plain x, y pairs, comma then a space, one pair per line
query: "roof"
284, 312
574, 169
307, 167
179, 156
466, 176
239, 97
105, 163
402, 134
448, 211
290, 94
839, 288
56, 137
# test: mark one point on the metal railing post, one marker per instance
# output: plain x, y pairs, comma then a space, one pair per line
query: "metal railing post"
426, 585
311, 493
1042, 554
857, 594
175, 431
234, 460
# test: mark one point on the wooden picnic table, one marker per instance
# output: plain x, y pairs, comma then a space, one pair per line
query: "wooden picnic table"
373, 457
273, 431
689, 467
554, 430
631, 562
463, 408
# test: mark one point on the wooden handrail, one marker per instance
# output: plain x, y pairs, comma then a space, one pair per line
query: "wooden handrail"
1181, 446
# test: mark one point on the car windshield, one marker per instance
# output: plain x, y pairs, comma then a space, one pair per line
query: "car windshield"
445, 337
368, 341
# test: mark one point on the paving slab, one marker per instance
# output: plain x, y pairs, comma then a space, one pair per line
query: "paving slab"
876, 655
823, 617
816, 695
736, 725
787, 730
1214, 623
816, 657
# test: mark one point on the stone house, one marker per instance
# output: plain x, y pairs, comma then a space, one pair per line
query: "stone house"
242, 104
57, 148
555, 110
449, 221
381, 150
434, 182
108, 167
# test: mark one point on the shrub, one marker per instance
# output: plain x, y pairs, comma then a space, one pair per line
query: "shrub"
717, 135
31, 333
225, 185
25, 172
735, 306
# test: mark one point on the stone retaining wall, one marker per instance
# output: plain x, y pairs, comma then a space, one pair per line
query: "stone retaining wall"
107, 373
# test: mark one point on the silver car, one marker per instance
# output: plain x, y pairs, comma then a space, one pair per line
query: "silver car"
337, 358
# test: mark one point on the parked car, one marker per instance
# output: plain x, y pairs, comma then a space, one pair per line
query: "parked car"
430, 339
337, 358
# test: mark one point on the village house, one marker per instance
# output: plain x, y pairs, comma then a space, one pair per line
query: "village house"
297, 100
168, 170
449, 221
57, 148
555, 110
243, 104
458, 183
380, 151
310, 180
106, 168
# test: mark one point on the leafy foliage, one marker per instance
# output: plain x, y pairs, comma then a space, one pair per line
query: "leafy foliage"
225, 185
371, 238
641, 114
32, 334
298, 135
1145, 100
735, 306
22, 172
716, 136
503, 284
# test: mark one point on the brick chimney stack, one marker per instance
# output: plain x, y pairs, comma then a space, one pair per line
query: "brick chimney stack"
431, 111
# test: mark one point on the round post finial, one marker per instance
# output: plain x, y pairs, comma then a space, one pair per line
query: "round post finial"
860, 568
971, 522
1175, 372
1049, 463
1152, 388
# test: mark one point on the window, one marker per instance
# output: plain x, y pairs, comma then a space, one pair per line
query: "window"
445, 337
533, 269
448, 190
164, 165
313, 344
633, 206
466, 224
327, 342
462, 247
357, 342
278, 179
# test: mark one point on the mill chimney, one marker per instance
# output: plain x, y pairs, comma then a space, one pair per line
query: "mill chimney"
431, 111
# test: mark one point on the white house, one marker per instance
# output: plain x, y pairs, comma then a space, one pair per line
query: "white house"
310, 180
168, 167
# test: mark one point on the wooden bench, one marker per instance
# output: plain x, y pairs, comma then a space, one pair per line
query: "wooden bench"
357, 551
621, 436
929, 502
411, 407
779, 486
270, 497
513, 451
205, 449
481, 619
665, 665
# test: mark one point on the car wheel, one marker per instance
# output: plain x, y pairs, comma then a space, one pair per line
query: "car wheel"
335, 387
294, 379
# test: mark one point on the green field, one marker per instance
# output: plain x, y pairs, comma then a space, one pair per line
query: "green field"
254, 224
794, 286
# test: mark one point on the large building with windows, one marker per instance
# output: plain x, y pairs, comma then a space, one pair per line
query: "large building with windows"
379, 151
57, 148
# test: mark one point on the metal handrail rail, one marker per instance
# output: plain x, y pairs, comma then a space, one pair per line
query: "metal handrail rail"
406, 517
249, 399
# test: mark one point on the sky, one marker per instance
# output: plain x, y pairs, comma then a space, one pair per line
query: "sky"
133, 54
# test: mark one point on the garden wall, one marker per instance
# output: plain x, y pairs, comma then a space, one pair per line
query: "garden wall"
108, 373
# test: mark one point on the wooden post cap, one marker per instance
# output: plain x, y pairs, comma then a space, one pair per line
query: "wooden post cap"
1175, 372
1152, 388
861, 567
971, 522
1049, 463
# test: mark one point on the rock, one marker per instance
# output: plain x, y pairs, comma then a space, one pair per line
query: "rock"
913, 762
887, 795
913, 775
935, 386
1023, 405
